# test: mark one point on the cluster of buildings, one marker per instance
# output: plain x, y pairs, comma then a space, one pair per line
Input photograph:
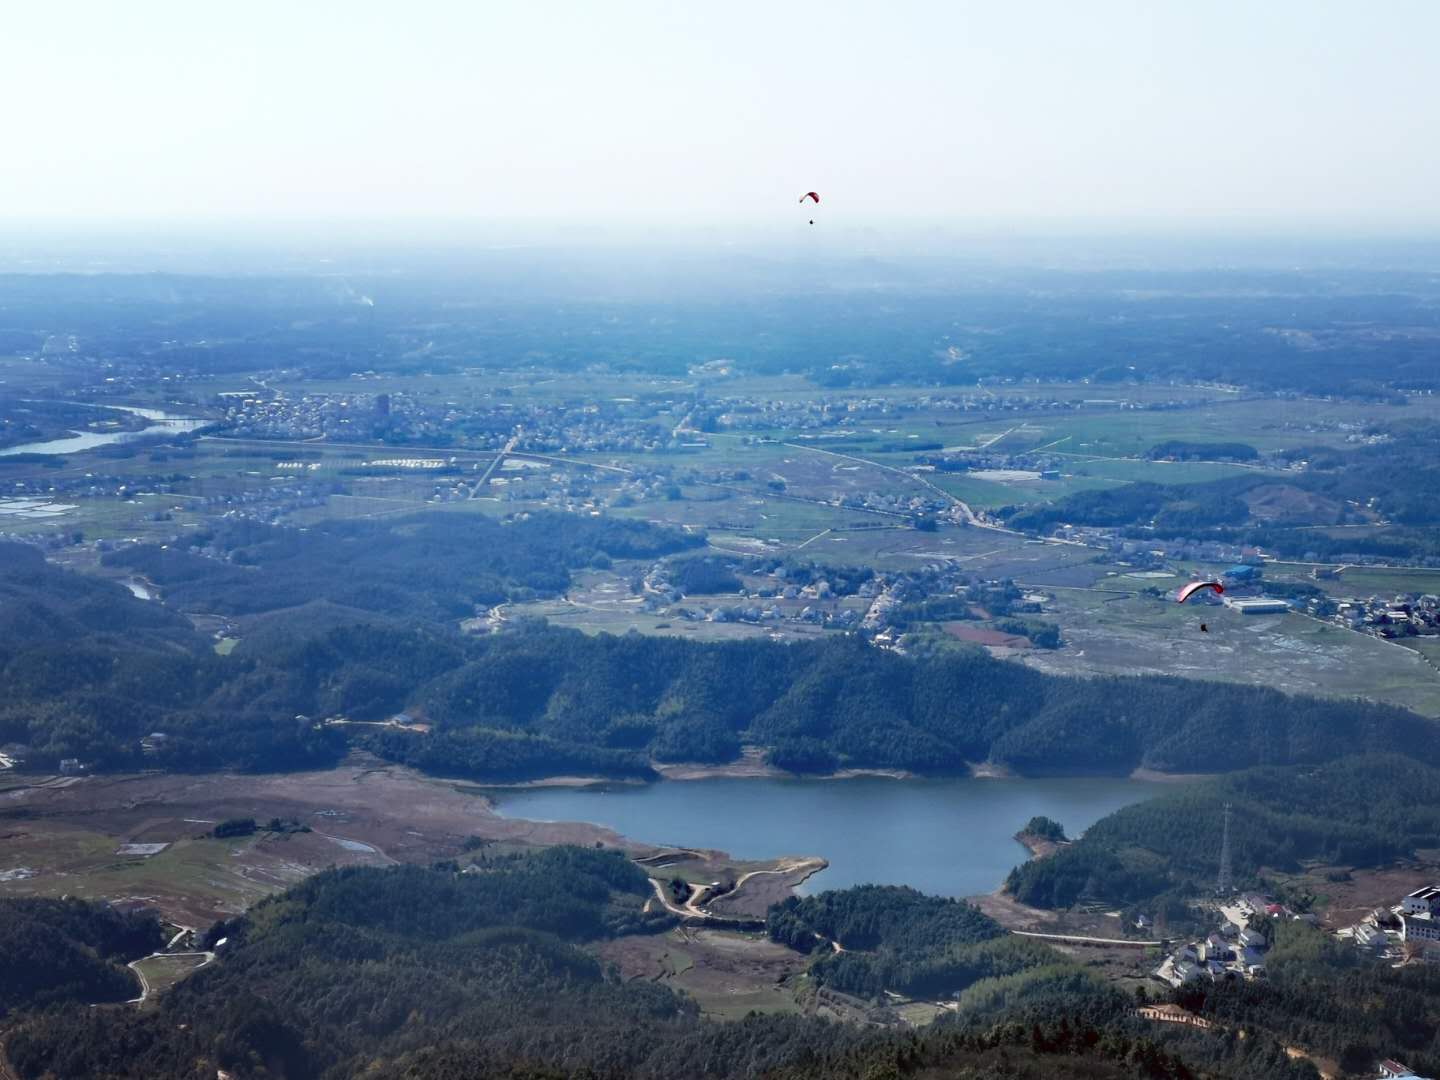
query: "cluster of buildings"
1405, 615
1229, 953
1409, 929
901, 505
812, 601
97, 485
1154, 551
882, 605
641, 424
52, 540
1236, 950
822, 412
552, 487
358, 417
1039, 466
269, 503
399, 418
833, 616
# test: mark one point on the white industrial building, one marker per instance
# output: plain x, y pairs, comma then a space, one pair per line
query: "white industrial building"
1256, 605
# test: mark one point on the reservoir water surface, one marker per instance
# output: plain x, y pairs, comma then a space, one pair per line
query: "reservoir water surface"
88, 440
954, 837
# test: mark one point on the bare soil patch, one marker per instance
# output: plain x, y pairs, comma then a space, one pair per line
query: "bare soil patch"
1284, 503
759, 889
363, 812
1344, 903
1040, 847
982, 636
74, 839
1013, 915
751, 763
727, 973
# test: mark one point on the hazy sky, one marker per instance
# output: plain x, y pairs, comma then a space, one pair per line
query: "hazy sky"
1254, 112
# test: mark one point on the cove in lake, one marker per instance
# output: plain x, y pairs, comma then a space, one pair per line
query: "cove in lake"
952, 837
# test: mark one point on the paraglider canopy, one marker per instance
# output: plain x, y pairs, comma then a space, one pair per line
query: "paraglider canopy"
1194, 587
810, 195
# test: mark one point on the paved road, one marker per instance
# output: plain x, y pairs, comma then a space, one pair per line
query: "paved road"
965, 511
145, 983
1081, 939
490, 469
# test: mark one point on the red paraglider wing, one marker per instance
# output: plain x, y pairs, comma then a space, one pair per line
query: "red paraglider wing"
810, 195
1194, 586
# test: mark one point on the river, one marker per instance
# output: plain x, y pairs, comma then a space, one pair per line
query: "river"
954, 837
88, 440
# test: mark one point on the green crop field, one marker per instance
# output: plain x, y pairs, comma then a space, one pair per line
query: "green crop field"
163, 972
1113, 628
1361, 581
1136, 470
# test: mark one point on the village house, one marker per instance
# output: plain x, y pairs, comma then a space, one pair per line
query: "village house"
1172, 1014
1370, 937
1251, 939
1390, 1069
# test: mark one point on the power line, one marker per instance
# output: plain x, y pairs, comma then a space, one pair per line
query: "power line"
1225, 883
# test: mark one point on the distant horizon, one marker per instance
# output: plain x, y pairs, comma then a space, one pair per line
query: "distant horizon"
1297, 112
380, 246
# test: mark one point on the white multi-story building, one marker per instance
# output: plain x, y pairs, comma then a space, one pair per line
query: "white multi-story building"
1424, 901
1420, 927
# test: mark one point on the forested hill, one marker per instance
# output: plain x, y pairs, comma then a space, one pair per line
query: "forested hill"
433, 566
1355, 811
69, 950
521, 698
90, 671
894, 938
1398, 478
356, 965
432, 974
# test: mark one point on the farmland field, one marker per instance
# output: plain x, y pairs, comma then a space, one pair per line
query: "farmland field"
1123, 632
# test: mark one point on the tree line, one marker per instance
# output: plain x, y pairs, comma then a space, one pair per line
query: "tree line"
1355, 811
430, 974
54, 951
92, 672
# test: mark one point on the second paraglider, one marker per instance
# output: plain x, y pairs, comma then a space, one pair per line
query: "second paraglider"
813, 196
1190, 590
1195, 586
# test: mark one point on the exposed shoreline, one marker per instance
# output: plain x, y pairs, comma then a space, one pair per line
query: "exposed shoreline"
752, 767
1040, 847
1009, 912
400, 814
1155, 776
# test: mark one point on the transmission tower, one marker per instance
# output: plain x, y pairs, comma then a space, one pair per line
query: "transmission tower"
1224, 886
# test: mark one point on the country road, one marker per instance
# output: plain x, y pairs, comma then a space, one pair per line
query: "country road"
810, 863
145, 983
1080, 939
964, 508
698, 894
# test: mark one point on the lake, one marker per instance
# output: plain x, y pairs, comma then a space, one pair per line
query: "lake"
954, 837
